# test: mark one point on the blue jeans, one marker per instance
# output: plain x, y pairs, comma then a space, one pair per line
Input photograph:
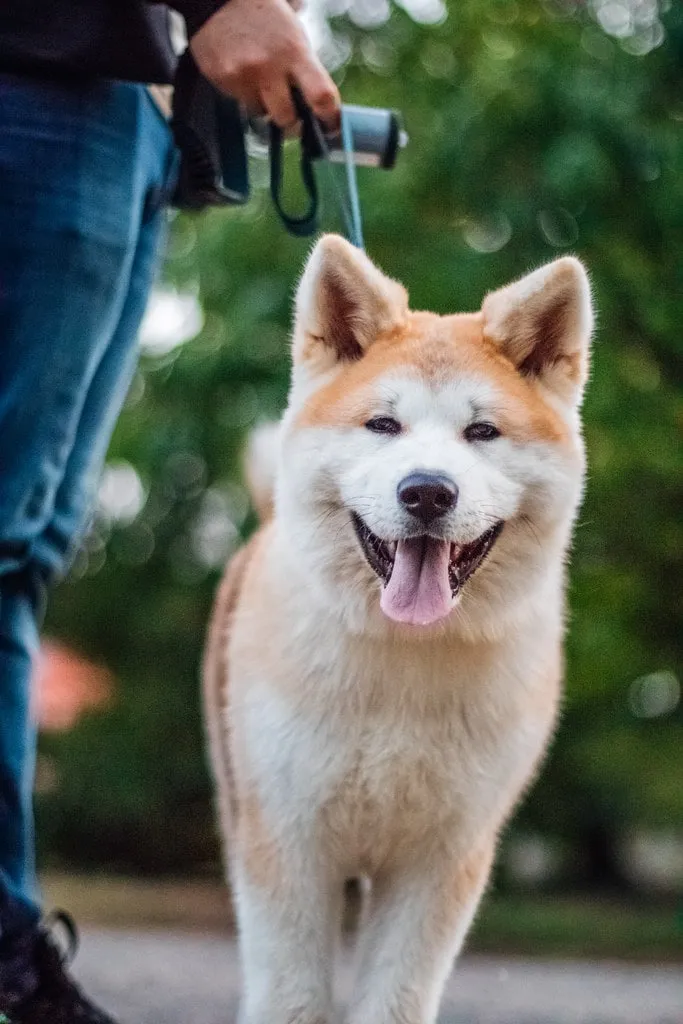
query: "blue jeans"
85, 172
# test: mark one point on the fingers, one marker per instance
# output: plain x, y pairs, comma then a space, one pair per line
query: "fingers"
319, 91
256, 51
276, 97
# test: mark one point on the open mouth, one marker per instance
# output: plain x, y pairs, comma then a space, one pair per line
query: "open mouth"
422, 576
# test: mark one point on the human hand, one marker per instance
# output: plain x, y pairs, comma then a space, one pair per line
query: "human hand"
256, 50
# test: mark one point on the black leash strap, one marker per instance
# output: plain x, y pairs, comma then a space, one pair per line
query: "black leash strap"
306, 223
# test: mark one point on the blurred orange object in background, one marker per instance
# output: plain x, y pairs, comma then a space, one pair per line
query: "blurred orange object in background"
66, 685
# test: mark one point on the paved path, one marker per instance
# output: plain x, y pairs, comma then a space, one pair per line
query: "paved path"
175, 978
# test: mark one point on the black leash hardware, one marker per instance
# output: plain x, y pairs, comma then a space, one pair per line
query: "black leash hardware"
306, 223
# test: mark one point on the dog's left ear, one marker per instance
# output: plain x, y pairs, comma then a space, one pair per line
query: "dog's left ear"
343, 303
543, 324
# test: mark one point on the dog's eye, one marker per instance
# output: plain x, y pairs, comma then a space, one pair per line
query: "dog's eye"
481, 432
384, 425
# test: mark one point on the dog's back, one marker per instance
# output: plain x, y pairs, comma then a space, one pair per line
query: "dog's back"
259, 470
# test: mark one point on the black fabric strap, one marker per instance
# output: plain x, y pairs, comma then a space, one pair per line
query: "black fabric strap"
306, 223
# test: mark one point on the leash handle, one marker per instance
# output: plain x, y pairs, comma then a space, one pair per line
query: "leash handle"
314, 145
306, 223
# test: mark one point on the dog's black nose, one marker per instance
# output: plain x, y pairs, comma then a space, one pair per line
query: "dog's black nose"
427, 495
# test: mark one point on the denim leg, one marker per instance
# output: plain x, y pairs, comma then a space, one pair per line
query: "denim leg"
83, 172
20, 609
107, 390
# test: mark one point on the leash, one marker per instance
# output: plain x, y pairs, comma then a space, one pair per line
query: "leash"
350, 211
211, 132
314, 143
356, 227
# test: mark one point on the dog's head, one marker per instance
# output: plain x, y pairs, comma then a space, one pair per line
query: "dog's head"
431, 461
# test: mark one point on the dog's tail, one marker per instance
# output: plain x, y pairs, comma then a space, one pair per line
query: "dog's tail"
260, 465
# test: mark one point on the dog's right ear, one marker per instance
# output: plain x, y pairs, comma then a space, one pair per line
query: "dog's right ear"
343, 303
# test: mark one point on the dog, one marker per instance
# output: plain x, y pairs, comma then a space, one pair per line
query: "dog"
384, 662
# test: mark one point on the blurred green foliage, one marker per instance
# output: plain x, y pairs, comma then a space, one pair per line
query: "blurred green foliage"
533, 132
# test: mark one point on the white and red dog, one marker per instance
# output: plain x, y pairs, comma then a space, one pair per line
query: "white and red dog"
385, 660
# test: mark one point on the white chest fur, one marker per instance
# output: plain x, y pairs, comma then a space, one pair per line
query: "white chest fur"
379, 747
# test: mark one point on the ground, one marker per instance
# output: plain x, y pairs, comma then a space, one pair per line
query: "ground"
173, 977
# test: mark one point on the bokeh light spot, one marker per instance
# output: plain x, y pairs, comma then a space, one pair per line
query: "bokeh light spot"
558, 227
654, 695
121, 494
489, 233
170, 320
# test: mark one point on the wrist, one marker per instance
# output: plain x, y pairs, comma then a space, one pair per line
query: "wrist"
196, 12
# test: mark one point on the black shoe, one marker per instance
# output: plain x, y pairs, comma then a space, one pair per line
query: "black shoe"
35, 987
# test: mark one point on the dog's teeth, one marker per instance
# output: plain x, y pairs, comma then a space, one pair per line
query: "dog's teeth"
391, 548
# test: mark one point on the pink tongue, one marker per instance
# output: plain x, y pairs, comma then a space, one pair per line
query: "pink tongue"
419, 590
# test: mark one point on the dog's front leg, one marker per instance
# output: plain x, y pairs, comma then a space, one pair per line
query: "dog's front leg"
288, 915
417, 922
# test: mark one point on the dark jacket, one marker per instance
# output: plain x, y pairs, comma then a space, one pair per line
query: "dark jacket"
126, 39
